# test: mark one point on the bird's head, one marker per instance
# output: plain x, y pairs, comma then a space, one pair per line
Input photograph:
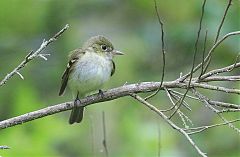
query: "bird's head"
102, 46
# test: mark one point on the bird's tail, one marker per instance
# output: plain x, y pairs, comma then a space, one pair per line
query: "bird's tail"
76, 115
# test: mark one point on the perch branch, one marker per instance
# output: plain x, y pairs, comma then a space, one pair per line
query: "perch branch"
111, 94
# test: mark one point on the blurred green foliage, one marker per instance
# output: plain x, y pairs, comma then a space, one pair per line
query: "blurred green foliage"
132, 130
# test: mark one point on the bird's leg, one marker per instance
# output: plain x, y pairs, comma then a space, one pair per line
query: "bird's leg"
77, 111
77, 101
100, 92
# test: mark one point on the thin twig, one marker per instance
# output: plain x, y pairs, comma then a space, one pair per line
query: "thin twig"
228, 110
181, 94
235, 63
221, 78
203, 54
212, 102
222, 21
218, 33
224, 104
204, 99
177, 97
216, 88
104, 141
210, 52
194, 59
181, 114
196, 42
163, 51
203, 128
30, 56
221, 70
153, 108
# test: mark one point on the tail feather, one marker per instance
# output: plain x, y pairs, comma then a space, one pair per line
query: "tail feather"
76, 115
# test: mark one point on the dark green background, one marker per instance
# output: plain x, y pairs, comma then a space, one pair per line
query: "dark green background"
132, 26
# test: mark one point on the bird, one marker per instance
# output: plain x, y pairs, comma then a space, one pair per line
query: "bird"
88, 68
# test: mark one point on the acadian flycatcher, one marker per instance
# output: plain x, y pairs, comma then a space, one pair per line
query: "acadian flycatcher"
88, 69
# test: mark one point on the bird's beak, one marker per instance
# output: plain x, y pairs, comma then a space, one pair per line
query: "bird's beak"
116, 52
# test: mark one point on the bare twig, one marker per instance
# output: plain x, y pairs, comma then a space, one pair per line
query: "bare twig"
216, 88
180, 113
177, 97
222, 21
221, 78
224, 104
153, 108
210, 52
203, 128
221, 70
228, 110
33, 55
203, 54
194, 59
212, 102
163, 51
204, 99
236, 61
181, 94
104, 141
218, 33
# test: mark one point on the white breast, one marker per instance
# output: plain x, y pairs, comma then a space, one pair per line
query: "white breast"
92, 71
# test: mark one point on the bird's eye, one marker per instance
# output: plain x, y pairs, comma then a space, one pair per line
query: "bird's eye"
104, 47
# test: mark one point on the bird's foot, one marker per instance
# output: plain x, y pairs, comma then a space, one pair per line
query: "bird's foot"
100, 92
77, 102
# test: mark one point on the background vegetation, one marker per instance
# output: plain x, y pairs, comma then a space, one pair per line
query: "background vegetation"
133, 28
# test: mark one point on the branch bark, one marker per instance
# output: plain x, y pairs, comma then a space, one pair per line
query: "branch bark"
111, 94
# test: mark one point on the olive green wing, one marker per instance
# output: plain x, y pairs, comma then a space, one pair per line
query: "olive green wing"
73, 58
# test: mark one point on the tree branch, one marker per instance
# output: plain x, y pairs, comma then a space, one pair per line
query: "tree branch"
111, 94
203, 128
32, 55
166, 119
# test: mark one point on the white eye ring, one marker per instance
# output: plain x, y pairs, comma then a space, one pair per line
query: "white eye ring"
104, 47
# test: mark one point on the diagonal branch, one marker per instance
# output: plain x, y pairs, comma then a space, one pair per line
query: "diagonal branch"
203, 128
166, 119
221, 70
32, 55
210, 52
223, 19
204, 99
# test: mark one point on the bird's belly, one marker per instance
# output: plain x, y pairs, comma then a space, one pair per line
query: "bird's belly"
89, 76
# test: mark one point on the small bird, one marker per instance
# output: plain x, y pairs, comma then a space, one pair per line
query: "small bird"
88, 69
